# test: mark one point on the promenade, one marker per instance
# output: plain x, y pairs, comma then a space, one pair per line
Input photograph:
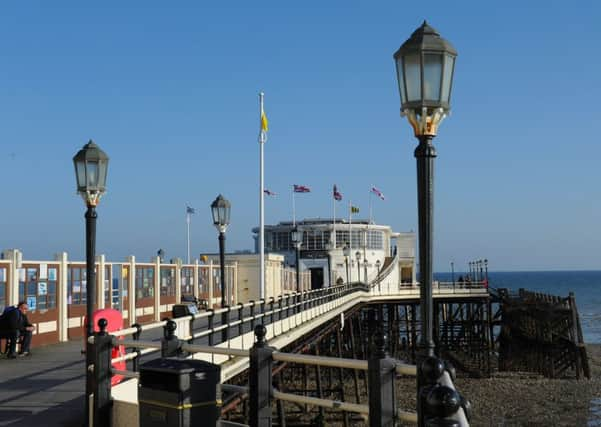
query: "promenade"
45, 389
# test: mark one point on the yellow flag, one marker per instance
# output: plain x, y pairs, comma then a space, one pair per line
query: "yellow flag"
264, 122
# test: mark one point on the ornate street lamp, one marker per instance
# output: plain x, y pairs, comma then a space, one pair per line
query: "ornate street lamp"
425, 65
297, 240
91, 165
220, 209
358, 258
346, 251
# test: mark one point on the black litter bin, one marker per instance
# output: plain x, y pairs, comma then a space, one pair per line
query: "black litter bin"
179, 393
182, 310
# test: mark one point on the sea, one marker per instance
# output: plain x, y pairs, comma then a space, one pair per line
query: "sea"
586, 286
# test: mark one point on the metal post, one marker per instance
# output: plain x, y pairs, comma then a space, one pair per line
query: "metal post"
381, 373
425, 154
259, 380
223, 287
358, 271
298, 284
102, 375
365, 270
90, 300
347, 270
453, 273
170, 345
136, 337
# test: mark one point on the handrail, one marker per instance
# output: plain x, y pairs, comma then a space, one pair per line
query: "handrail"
325, 403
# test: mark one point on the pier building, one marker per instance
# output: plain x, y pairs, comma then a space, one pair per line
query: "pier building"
372, 249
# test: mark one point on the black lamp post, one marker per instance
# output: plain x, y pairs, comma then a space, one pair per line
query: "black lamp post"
453, 273
91, 165
297, 240
220, 209
424, 65
346, 251
378, 267
358, 258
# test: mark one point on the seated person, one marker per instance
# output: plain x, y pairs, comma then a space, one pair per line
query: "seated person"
14, 324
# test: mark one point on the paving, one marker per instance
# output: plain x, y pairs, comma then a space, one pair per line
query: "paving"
44, 389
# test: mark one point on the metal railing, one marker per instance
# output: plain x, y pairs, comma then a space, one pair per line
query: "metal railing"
441, 403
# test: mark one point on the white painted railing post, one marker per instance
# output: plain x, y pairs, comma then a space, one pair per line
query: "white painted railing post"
62, 297
157, 289
14, 258
178, 280
235, 280
210, 304
100, 281
131, 289
195, 281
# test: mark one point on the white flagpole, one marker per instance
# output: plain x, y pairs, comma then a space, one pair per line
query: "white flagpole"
334, 223
370, 216
188, 222
293, 209
262, 139
350, 232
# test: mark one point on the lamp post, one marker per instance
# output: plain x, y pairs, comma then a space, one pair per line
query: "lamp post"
424, 65
453, 273
297, 240
378, 267
358, 258
91, 165
346, 251
486, 270
220, 209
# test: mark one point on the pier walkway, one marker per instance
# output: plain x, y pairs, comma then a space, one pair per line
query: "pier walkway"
45, 389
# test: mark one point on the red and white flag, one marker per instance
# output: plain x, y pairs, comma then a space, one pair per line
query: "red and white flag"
301, 189
337, 195
269, 193
377, 193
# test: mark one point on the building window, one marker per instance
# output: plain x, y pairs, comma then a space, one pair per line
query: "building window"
375, 240
341, 238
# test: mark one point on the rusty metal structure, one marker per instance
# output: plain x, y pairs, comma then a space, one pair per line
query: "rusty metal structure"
541, 333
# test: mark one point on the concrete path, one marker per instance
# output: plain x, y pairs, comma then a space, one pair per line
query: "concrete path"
44, 389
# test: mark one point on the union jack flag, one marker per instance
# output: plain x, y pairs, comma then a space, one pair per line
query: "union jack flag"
301, 189
377, 193
337, 194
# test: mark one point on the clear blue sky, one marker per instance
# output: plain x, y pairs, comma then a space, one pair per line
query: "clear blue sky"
169, 91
